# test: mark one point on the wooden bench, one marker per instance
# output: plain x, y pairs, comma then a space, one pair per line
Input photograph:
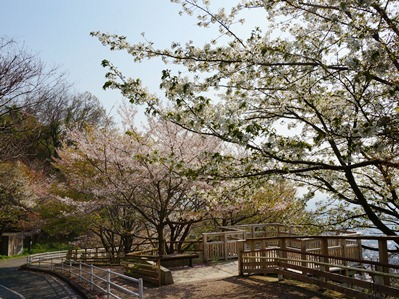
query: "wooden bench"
149, 271
181, 256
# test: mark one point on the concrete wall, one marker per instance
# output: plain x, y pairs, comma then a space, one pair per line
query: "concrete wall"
11, 244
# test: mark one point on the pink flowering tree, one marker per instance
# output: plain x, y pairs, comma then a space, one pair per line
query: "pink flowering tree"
150, 174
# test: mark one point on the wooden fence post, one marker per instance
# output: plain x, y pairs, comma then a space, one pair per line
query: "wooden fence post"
344, 253
324, 258
282, 254
240, 256
205, 247
226, 248
325, 253
359, 251
251, 244
304, 256
383, 258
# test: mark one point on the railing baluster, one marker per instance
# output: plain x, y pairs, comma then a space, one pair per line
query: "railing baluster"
91, 278
108, 284
225, 247
54, 258
141, 288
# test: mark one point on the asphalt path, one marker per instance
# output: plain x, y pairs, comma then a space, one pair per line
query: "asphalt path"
23, 284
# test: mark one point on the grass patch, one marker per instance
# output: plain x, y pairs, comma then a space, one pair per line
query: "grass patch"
47, 247
39, 248
5, 257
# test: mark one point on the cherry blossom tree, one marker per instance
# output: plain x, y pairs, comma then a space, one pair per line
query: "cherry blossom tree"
18, 198
311, 92
243, 201
150, 172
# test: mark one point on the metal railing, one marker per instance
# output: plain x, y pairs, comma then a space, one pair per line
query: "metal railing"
45, 256
112, 283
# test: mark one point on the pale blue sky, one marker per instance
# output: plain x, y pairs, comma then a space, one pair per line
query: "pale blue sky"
58, 31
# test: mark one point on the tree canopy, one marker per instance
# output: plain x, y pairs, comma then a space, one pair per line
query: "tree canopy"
139, 176
18, 198
311, 92
37, 107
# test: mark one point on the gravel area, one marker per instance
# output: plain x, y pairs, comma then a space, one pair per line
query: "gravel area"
254, 287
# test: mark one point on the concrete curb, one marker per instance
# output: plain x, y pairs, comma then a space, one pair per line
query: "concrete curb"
76, 287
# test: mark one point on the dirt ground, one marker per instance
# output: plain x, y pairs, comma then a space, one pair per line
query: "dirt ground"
254, 287
221, 281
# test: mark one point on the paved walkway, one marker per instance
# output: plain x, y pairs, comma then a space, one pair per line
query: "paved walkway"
220, 281
22, 284
217, 270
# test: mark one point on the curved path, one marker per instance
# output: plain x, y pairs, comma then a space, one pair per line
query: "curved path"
220, 281
23, 284
217, 270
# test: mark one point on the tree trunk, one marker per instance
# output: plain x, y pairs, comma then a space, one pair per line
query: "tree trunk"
366, 207
161, 240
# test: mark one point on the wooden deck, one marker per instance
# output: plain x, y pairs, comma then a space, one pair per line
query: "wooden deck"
332, 262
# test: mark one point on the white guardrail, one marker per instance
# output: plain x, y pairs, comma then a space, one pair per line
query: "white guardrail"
97, 278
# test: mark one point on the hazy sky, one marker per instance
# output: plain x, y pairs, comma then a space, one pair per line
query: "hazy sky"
58, 31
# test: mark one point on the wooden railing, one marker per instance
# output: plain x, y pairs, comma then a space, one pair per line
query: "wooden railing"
225, 245
101, 255
222, 245
263, 230
95, 256
333, 262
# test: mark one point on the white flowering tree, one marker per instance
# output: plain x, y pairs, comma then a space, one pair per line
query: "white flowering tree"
244, 201
145, 173
312, 92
